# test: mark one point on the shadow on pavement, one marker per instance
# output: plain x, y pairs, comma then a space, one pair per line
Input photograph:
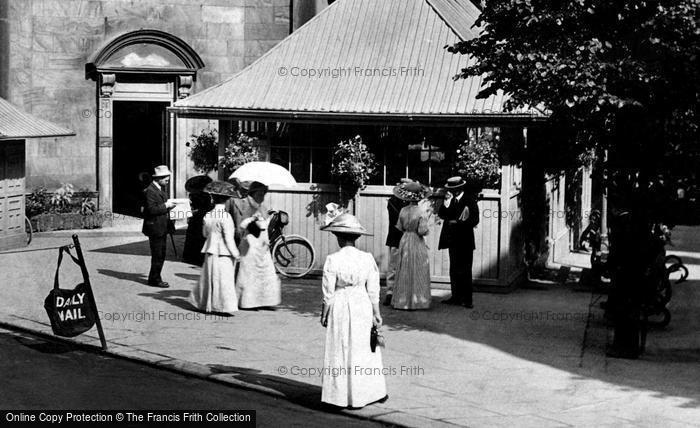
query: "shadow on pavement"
177, 298
141, 248
669, 367
300, 393
138, 278
41, 346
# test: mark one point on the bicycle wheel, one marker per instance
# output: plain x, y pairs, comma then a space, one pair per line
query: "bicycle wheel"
28, 229
293, 256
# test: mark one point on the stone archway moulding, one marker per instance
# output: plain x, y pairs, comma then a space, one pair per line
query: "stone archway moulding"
163, 82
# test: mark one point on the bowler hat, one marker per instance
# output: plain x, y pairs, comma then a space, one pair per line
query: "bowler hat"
456, 182
346, 223
161, 171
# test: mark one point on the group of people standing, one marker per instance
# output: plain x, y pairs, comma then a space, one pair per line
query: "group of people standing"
234, 231
410, 208
231, 228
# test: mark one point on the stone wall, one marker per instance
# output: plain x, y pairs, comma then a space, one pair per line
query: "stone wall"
50, 41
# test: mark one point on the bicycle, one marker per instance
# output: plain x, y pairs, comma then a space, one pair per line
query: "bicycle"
293, 255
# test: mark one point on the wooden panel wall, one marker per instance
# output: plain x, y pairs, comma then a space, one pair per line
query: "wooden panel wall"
305, 208
12, 188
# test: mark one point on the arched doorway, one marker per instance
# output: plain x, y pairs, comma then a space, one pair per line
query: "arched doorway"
138, 75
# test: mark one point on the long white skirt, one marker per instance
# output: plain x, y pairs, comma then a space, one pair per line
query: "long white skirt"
353, 374
216, 289
257, 284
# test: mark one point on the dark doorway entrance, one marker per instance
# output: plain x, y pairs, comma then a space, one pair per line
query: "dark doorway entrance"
139, 146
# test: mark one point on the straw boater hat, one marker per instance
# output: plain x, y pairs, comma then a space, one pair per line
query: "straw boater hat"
346, 223
220, 188
454, 183
161, 171
409, 190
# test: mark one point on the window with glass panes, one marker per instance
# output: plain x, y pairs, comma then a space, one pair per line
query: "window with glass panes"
423, 154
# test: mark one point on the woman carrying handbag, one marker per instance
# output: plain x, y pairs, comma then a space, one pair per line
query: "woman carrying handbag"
353, 372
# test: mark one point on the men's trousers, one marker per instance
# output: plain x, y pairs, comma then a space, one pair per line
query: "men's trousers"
461, 259
157, 244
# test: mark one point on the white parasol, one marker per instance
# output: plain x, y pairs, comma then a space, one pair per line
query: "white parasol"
267, 173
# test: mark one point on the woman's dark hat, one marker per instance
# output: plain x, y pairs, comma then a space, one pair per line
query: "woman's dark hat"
410, 191
256, 186
220, 188
454, 183
197, 183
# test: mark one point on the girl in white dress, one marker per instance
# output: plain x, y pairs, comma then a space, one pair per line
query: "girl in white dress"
258, 285
353, 374
216, 289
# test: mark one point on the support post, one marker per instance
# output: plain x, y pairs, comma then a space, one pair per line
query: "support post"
91, 295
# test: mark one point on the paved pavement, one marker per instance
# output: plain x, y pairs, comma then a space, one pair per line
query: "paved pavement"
534, 357
91, 379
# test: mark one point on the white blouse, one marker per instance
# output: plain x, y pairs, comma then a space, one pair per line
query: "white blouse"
350, 267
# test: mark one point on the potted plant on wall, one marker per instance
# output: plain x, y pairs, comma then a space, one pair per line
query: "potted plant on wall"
352, 165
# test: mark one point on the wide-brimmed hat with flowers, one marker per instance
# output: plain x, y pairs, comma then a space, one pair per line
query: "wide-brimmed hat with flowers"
220, 188
346, 223
409, 190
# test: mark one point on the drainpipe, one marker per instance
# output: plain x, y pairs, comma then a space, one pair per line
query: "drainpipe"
4, 49
291, 16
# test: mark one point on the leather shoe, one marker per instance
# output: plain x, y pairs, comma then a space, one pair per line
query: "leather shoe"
161, 284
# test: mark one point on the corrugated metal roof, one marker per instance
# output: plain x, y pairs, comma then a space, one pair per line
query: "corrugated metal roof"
360, 58
459, 15
15, 124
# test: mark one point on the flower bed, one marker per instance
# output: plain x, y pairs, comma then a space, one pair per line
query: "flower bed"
67, 221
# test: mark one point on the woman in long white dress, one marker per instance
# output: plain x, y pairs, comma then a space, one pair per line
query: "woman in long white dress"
257, 284
353, 374
216, 289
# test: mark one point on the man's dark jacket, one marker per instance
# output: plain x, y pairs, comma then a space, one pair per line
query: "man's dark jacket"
456, 233
155, 214
393, 236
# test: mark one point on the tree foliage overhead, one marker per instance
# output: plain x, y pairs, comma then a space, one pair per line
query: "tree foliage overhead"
600, 68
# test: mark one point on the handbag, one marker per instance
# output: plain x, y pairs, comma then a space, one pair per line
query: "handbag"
375, 338
71, 312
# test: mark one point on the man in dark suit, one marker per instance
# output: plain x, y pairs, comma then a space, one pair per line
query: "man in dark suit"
156, 222
461, 215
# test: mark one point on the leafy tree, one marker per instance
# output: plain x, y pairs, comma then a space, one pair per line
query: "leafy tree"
617, 77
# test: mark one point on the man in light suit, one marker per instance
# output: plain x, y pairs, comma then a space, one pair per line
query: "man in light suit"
461, 215
156, 222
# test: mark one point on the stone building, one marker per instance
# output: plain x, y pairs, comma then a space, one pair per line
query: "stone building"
108, 69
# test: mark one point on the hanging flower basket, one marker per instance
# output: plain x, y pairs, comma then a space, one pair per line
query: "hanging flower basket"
352, 165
